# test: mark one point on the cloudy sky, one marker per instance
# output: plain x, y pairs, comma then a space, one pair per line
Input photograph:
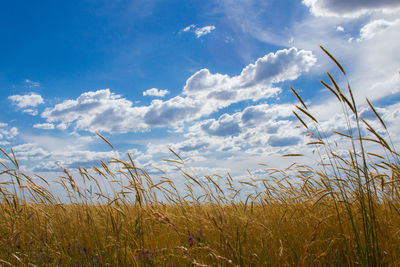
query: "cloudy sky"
210, 79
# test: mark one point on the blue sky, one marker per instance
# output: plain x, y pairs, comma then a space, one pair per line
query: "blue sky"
210, 79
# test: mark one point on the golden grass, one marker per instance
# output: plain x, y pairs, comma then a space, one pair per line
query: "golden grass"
345, 213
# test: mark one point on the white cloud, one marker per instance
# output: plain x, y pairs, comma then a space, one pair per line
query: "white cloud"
226, 125
203, 94
30, 151
62, 126
7, 132
97, 111
155, 92
31, 111
44, 126
246, 129
339, 29
174, 110
29, 100
199, 31
376, 27
349, 8
204, 30
188, 28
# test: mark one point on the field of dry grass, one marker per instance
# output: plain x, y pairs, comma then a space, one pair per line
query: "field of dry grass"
345, 212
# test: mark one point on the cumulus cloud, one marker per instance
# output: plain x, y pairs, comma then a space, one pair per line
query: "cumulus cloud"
174, 110
192, 145
7, 132
29, 100
199, 31
254, 115
376, 27
226, 125
155, 92
203, 94
349, 8
44, 126
263, 128
100, 110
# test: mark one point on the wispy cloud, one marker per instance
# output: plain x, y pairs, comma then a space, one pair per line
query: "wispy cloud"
29, 83
44, 126
376, 27
349, 8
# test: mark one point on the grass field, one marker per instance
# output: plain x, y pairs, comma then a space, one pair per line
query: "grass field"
344, 212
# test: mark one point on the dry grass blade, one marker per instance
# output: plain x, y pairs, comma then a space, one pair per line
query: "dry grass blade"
330, 89
173, 161
298, 117
298, 97
41, 178
104, 139
342, 134
334, 59
247, 183
176, 154
8, 156
375, 155
6, 262
192, 178
342, 96
307, 114
376, 114
15, 158
215, 184
382, 141
293, 155
349, 104
352, 99
334, 83
316, 143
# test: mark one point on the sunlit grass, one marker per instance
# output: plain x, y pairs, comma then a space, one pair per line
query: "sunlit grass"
344, 212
